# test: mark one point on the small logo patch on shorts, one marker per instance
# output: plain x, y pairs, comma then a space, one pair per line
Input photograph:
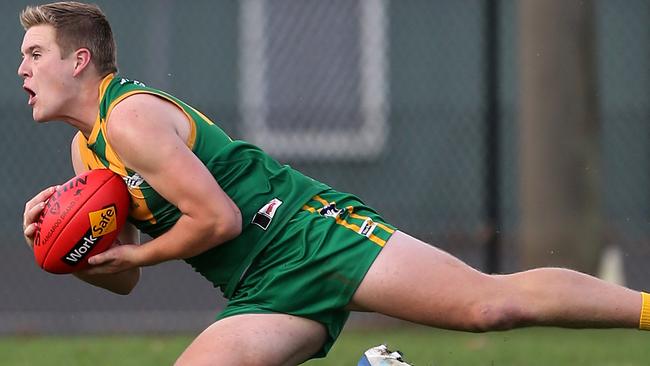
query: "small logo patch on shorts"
367, 227
330, 210
265, 214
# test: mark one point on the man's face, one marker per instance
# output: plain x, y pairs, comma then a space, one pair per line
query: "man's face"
47, 77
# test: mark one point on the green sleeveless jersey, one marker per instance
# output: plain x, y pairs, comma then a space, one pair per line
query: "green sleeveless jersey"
266, 192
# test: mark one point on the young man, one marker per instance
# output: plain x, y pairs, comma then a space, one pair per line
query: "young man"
292, 255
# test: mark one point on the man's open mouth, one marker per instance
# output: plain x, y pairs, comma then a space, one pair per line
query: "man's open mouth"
32, 95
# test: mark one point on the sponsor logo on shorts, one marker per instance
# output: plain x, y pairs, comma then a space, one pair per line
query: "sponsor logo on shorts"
367, 227
330, 210
265, 214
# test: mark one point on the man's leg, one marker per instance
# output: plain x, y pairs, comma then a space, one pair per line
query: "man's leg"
414, 281
255, 339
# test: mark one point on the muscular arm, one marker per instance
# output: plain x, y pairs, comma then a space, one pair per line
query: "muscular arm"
149, 134
120, 283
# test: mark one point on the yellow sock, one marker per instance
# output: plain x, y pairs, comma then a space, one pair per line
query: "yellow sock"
644, 322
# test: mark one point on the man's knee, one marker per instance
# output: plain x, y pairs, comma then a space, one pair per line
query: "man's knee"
496, 314
501, 307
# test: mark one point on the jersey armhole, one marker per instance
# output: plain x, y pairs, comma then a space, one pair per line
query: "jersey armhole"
86, 157
191, 138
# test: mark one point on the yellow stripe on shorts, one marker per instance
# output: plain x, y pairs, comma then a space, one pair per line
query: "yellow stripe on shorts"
356, 228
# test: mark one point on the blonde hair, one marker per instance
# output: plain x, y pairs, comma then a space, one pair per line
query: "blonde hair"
77, 25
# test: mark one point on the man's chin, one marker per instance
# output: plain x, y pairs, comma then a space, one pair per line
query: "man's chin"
39, 117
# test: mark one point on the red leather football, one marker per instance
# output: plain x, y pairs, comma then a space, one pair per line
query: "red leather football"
82, 218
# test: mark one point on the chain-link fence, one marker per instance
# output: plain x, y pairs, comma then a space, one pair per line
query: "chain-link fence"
389, 100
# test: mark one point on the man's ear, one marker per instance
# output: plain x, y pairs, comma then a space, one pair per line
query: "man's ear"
82, 58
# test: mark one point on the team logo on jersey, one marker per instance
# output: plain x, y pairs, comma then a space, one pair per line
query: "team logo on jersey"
265, 214
367, 228
134, 180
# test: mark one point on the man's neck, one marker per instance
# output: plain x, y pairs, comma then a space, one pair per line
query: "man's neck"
86, 107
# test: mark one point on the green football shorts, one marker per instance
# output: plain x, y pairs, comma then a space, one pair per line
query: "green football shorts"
314, 266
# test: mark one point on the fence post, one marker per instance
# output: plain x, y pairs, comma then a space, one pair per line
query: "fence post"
559, 133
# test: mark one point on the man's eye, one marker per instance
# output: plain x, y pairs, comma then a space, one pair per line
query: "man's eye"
36, 55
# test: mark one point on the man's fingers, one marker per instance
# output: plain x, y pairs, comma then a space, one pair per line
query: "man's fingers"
100, 264
30, 229
42, 196
34, 207
99, 259
32, 214
29, 233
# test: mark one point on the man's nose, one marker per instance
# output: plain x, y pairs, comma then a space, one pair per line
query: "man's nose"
23, 69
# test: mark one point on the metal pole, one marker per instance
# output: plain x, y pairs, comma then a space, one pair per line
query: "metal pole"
492, 138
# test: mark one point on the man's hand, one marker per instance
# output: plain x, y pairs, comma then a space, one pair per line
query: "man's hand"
117, 259
33, 209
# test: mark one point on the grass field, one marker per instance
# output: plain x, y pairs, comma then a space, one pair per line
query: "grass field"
421, 346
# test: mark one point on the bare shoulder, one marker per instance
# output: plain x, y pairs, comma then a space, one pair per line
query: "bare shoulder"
142, 127
144, 114
139, 110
